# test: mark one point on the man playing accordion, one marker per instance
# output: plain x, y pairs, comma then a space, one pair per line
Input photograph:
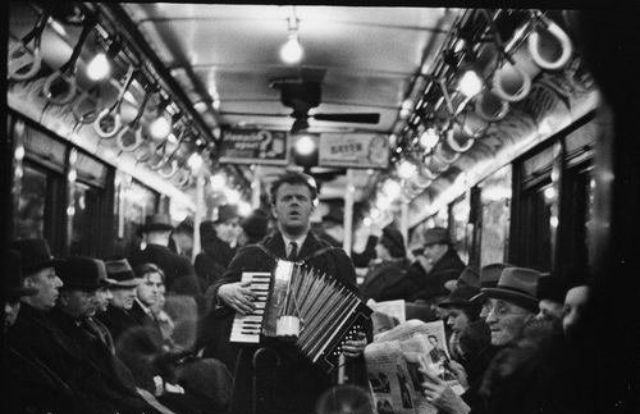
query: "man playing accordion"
273, 376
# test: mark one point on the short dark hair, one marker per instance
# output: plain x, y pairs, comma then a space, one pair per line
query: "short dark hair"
144, 269
293, 178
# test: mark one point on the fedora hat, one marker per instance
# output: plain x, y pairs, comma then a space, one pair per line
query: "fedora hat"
468, 277
156, 222
12, 279
120, 274
460, 297
436, 235
226, 212
34, 255
393, 241
81, 273
551, 287
518, 285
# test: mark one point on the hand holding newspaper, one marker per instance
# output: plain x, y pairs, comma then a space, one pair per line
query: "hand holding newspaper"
394, 361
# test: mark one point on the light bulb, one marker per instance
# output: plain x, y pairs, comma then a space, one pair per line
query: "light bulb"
470, 83
232, 196
217, 182
291, 52
99, 68
429, 138
406, 169
305, 145
392, 188
244, 208
159, 128
195, 161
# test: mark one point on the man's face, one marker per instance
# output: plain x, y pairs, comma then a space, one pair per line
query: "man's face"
293, 207
484, 310
549, 310
433, 252
184, 241
79, 303
123, 297
506, 321
103, 297
47, 282
11, 310
457, 320
574, 306
149, 289
229, 230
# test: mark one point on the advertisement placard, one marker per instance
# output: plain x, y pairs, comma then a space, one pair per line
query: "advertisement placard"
254, 146
355, 150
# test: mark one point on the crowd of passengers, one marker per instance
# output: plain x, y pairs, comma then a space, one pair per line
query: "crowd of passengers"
136, 335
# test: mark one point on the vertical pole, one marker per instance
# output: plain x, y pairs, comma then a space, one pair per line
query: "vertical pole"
404, 220
200, 212
255, 191
348, 213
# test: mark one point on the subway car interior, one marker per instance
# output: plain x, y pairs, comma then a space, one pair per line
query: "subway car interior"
488, 139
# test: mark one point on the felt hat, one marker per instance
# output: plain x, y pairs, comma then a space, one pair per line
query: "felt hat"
226, 212
12, 279
490, 274
518, 285
81, 273
34, 255
393, 241
468, 277
121, 274
255, 225
156, 222
185, 226
436, 235
551, 287
460, 297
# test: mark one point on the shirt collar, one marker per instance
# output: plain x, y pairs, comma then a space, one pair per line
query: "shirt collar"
299, 241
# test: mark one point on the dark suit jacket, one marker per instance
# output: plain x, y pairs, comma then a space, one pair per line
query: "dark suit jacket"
295, 385
60, 344
180, 275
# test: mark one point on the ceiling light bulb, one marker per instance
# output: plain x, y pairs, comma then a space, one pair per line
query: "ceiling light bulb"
305, 145
429, 138
291, 52
195, 161
159, 128
406, 170
232, 196
470, 83
99, 68
244, 208
218, 182
392, 188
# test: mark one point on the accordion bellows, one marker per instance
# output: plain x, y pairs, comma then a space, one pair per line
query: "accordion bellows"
328, 311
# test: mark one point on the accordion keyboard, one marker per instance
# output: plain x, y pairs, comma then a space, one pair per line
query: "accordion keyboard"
246, 328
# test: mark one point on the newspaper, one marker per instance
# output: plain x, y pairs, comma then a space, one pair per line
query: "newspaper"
393, 360
393, 308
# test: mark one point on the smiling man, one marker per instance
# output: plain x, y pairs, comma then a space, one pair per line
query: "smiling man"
296, 384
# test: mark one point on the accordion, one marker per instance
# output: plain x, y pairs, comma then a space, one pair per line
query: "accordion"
314, 310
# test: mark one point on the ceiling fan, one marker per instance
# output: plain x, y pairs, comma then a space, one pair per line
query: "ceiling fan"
303, 94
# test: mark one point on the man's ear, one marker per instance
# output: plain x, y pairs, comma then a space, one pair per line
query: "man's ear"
29, 282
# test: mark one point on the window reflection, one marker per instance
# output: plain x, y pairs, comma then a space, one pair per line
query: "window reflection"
29, 219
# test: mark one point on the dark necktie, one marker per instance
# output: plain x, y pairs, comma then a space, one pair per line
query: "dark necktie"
293, 251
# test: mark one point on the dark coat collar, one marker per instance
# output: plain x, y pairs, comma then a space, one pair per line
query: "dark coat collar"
275, 244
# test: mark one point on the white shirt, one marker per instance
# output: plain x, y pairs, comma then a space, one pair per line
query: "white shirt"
299, 242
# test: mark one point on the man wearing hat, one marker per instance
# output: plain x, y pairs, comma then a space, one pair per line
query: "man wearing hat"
180, 274
489, 276
218, 240
32, 386
435, 265
123, 288
182, 238
254, 228
512, 305
386, 279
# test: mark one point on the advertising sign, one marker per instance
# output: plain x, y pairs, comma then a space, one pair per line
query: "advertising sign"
254, 146
357, 150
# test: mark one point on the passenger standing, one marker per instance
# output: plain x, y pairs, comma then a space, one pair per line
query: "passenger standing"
219, 239
437, 264
294, 385
182, 238
254, 228
181, 276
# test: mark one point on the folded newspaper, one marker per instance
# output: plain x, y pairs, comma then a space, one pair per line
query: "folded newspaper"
393, 360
